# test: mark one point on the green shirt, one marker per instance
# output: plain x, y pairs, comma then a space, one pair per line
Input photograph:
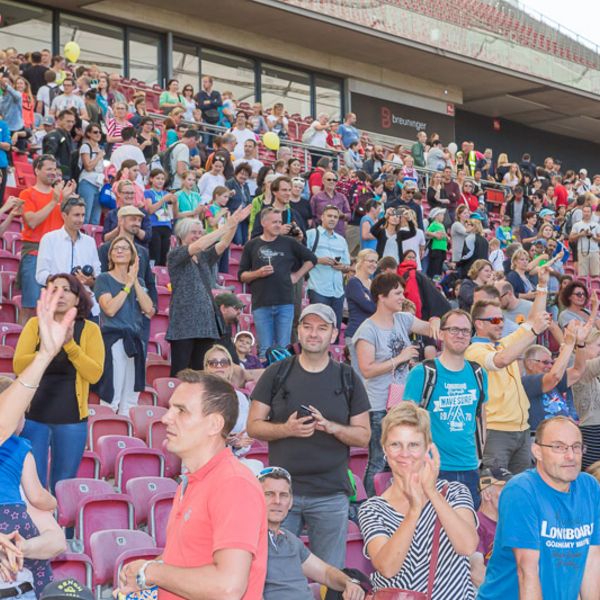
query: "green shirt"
435, 243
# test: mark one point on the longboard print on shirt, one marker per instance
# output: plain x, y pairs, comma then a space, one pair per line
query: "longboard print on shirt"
267, 255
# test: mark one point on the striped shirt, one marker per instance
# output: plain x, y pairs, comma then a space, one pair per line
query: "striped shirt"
452, 578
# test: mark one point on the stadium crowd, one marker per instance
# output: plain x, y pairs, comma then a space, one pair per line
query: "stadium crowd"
330, 300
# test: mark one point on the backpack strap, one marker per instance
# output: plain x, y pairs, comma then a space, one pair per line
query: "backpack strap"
283, 370
429, 382
316, 242
347, 377
479, 429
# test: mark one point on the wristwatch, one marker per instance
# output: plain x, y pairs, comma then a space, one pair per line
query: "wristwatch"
140, 578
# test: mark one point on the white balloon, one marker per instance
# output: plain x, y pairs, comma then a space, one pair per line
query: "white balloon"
452, 147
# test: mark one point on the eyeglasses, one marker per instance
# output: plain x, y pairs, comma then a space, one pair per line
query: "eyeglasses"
329, 179
492, 320
457, 331
560, 448
121, 249
214, 362
410, 191
579, 294
414, 448
95, 131
547, 362
274, 471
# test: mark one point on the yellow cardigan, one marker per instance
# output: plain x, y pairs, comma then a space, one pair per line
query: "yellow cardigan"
87, 358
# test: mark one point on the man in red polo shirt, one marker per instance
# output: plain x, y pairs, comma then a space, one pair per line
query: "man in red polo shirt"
217, 532
41, 214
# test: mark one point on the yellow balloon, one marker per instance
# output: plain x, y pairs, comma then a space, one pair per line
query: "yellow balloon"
72, 51
271, 140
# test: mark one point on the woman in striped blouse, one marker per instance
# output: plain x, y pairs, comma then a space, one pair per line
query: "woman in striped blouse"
398, 526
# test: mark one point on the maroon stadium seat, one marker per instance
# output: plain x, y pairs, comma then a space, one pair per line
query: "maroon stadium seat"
142, 489
158, 516
70, 492
109, 446
141, 417
138, 462
72, 564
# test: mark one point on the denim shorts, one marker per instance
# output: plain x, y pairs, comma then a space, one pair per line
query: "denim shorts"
30, 288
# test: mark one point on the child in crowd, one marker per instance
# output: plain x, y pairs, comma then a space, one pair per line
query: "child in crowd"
496, 256
159, 205
504, 233
18, 472
244, 342
439, 242
227, 111
215, 216
189, 202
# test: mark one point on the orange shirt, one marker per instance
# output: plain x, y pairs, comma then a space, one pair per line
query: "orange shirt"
35, 201
222, 507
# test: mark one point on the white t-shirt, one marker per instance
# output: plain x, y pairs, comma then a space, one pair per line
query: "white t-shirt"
63, 102
207, 184
415, 243
241, 135
391, 247
181, 153
127, 152
319, 138
586, 245
43, 95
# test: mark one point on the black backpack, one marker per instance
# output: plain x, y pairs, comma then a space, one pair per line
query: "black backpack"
53, 92
429, 384
165, 162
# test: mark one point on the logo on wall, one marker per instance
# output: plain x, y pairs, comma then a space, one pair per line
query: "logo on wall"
388, 119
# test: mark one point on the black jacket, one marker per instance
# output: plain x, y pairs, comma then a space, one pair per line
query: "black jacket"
510, 209
378, 231
59, 144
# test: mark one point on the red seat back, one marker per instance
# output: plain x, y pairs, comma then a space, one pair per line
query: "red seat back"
141, 417
72, 565
98, 513
138, 462
143, 489
109, 447
69, 494
158, 517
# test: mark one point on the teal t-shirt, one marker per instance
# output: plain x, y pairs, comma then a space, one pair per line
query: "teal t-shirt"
561, 526
452, 409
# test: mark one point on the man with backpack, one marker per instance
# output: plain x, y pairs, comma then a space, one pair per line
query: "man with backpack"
175, 160
311, 410
453, 391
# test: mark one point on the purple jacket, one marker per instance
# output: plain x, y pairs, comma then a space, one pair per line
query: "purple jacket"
319, 201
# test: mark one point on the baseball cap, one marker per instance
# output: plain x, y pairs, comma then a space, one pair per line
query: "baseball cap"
48, 120
492, 476
321, 310
410, 185
545, 212
130, 211
435, 212
246, 333
67, 588
229, 300
540, 241
476, 215
583, 171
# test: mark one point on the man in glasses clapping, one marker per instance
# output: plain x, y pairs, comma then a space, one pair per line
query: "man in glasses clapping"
507, 442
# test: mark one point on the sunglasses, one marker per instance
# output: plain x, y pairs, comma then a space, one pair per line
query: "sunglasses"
274, 471
213, 362
329, 179
579, 294
492, 320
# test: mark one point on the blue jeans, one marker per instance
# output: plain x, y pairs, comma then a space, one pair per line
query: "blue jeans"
376, 462
469, 478
273, 326
30, 288
326, 520
336, 303
67, 443
91, 194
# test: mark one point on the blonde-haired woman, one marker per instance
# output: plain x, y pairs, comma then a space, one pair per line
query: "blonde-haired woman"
480, 272
416, 512
518, 275
502, 166
358, 291
513, 176
123, 303
476, 246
